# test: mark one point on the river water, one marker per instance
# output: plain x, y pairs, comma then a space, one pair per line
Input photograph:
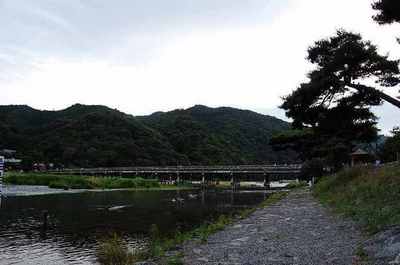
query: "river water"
76, 221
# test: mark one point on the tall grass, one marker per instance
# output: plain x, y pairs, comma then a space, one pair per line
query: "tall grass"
369, 195
114, 251
78, 182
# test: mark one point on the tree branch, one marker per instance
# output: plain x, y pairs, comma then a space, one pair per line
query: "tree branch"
382, 95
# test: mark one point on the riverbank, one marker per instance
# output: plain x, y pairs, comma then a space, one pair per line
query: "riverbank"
371, 197
34, 190
72, 182
169, 249
294, 230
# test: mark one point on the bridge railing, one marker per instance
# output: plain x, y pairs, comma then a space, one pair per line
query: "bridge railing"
229, 168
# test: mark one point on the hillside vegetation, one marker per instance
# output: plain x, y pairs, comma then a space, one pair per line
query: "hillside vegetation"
79, 182
89, 136
369, 195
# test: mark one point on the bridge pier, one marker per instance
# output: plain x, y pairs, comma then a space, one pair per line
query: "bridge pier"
203, 181
234, 183
267, 184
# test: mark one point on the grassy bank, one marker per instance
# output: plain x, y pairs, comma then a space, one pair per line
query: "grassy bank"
80, 182
114, 249
369, 195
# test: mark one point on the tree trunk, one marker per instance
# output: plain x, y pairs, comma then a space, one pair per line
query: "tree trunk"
382, 95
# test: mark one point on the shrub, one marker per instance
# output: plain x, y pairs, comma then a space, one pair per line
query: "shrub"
113, 251
297, 185
78, 182
312, 168
59, 184
369, 195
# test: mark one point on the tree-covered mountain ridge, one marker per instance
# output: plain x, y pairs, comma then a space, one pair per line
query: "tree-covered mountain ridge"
93, 135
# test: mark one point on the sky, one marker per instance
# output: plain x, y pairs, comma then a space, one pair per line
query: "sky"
142, 56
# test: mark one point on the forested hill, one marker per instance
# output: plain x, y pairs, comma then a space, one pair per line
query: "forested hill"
87, 136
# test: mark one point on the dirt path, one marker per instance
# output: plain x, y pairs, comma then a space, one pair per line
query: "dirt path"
296, 230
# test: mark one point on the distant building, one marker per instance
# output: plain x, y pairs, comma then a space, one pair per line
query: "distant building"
39, 167
360, 156
7, 153
11, 162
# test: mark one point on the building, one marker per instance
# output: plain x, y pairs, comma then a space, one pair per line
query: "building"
11, 162
360, 156
7, 153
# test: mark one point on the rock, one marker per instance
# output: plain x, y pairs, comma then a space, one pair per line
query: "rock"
171, 253
243, 239
396, 260
204, 259
384, 246
197, 251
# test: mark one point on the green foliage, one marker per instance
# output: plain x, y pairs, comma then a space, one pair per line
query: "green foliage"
273, 198
113, 251
333, 103
78, 182
391, 148
389, 11
313, 168
296, 185
369, 195
96, 136
220, 136
301, 141
177, 260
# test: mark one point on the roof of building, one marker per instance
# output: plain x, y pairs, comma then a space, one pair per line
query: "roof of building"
13, 161
360, 151
8, 151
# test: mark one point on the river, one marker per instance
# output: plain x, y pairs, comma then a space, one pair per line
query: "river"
76, 221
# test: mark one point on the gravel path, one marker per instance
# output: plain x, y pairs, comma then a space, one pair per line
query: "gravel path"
296, 230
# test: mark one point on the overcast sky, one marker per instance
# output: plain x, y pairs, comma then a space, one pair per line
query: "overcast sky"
142, 56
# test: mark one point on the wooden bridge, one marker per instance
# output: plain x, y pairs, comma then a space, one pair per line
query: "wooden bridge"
238, 173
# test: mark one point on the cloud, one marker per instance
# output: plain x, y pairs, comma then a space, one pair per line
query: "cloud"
144, 56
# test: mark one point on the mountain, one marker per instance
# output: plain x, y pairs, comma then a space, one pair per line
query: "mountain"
219, 135
87, 136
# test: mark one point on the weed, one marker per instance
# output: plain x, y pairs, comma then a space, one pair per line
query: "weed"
113, 251
367, 194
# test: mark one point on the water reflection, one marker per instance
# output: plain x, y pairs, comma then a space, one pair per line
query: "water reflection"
76, 221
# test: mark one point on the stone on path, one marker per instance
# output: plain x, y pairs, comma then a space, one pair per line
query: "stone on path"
384, 247
296, 230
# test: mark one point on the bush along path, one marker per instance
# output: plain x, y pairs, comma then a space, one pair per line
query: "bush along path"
295, 230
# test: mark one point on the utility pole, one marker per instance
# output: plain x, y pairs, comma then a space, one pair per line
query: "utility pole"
1, 176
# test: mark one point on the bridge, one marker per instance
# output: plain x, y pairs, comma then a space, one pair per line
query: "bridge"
235, 174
